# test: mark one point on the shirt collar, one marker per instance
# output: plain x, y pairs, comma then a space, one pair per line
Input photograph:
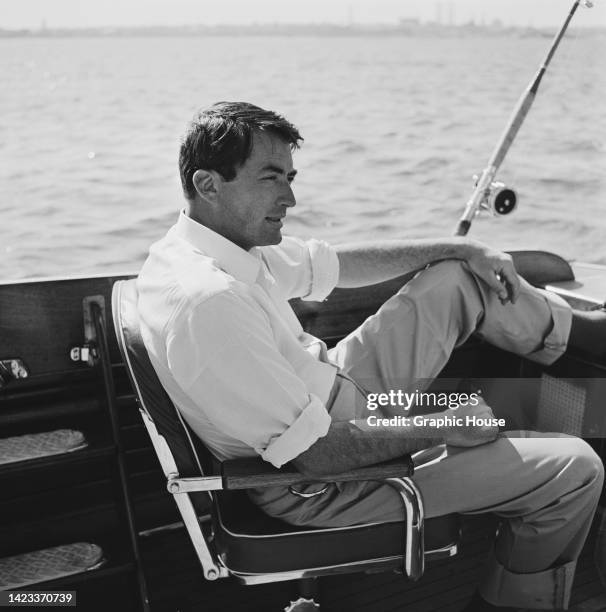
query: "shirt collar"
242, 265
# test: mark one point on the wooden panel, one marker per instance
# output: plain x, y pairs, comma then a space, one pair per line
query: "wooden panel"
41, 320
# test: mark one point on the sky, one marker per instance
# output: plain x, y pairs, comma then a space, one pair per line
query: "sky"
32, 14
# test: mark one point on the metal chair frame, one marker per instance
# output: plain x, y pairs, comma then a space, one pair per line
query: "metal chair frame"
414, 555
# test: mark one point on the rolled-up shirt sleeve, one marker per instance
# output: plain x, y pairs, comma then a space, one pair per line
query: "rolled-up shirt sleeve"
303, 269
324, 270
311, 424
224, 357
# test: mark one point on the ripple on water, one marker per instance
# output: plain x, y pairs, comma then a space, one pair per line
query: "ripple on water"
430, 164
349, 146
390, 143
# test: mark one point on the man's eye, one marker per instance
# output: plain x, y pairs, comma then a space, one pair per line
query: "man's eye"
271, 177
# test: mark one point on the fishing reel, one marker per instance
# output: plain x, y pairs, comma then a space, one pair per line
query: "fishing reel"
499, 199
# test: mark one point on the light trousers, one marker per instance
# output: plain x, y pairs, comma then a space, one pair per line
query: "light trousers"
545, 487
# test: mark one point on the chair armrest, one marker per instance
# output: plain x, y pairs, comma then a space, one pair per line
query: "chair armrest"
253, 472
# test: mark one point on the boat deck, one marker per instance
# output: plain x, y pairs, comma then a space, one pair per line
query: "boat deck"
176, 583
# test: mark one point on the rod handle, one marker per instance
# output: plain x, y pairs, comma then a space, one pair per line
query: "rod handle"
462, 227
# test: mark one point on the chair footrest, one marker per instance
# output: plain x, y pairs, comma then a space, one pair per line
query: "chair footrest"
49, 564
45, 444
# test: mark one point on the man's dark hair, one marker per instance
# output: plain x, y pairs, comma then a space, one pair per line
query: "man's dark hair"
220, 138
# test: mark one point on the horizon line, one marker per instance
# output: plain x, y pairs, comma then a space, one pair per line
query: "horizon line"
402, 24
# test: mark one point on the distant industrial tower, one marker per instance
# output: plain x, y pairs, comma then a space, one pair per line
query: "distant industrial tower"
445, 13
451, 13
438, 12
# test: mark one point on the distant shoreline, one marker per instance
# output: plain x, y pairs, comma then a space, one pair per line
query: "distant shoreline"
409, 28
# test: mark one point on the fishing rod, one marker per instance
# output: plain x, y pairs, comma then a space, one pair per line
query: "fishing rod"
489, 194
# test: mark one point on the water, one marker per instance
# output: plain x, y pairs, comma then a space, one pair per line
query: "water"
394, 128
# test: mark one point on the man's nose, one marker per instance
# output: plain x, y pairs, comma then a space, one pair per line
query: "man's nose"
288, 197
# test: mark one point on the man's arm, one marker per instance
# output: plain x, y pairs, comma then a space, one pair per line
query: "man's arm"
350, 445
367, 263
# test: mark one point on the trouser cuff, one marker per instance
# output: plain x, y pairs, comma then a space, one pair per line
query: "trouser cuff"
554, 344
546, 590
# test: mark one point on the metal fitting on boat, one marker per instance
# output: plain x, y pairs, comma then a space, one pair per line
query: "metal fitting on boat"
12, 369
87, 354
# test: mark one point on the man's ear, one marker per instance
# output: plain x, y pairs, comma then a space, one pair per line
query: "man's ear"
206, 183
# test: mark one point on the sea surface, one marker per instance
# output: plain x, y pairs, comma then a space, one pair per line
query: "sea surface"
394, 129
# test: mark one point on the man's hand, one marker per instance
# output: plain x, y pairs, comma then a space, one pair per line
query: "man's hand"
496, 269
466, 435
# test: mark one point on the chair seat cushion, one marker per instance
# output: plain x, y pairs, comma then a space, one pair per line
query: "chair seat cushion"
251, 542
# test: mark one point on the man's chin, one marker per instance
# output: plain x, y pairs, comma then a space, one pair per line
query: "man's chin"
269, 236
274, 238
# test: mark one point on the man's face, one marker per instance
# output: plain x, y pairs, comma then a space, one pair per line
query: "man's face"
253, 205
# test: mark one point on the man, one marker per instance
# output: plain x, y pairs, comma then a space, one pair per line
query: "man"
246, 377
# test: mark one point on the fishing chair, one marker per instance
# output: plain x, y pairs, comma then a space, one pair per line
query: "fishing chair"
240, 540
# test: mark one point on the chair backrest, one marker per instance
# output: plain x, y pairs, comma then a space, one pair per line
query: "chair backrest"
177, 448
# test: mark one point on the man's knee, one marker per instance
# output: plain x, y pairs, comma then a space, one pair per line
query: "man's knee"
448, 276
585, 465
559, 464
577, 467
451, 270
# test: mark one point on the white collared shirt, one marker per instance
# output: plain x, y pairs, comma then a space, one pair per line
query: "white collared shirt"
226, 344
